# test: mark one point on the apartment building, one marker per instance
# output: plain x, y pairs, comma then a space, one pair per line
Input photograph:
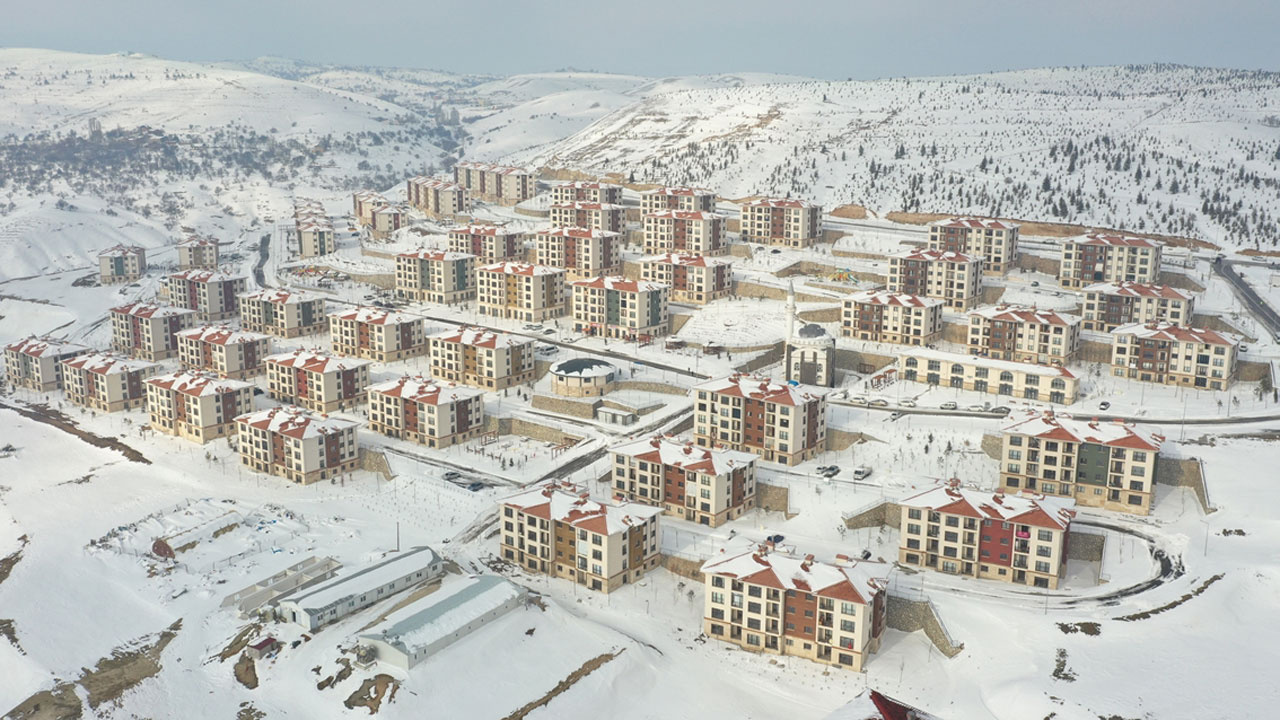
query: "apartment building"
1023, 334
995, 241
1017, 538
1028, 381
198, 254
780, 422
422, 410
364, 203
1107, 306
532, 293
589, 192
211, 293
1175, 355
582, 252
148, 332
122, 264
315, 236
702, 485
437, 198
35, 363
196, 406
437, 276
489, 243
620, 308
1107, 465
481, 358
599, 216
695, 232
771, 602
377, 334
775, 221
297, 445
499, 184
696, 279
227, 353
891, 317
386, 220
315, 381
954, 278
106, 382
283, 313
1100, 257
556, 529
677, 198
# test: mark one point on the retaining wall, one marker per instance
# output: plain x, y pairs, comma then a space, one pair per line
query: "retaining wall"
774, 498
912, 615
884, 514
1188, 473
682, 567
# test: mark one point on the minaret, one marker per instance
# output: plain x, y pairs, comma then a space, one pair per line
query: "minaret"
791, 310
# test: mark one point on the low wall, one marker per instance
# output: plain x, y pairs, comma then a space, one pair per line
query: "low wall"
883, 514
1036, 263
991, 294
1188, 473
529, 429
654, 387
821, 315
912, 615
631, 270
682, 567
565, 406
746, 289
1218, 323
1094, 351
375, 461
774, 499
1086, 546
1178, 280
774, 354
838, 440
1248, 371
851, 360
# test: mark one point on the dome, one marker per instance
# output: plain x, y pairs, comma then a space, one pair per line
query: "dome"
583, 367
812, 331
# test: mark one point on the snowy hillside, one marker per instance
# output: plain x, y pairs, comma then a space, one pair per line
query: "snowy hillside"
1159, 148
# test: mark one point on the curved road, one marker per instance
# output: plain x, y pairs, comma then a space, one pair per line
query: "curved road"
1264, 313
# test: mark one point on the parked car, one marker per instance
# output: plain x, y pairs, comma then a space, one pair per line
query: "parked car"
896, 414
549, 331
476, 486
776, 251
451, 475
1035, 283
948, 405
831, 471
1244, 348
1104, 405
977, 408
1000, 410
907, 403
879, 402
862, 472
775, 539
861, 400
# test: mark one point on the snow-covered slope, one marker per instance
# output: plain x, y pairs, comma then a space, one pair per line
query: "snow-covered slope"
1158, 148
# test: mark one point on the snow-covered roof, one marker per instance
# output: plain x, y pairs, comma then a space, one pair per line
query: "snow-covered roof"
568, 503
148, 310
280, 296
315, 362
314, 224
852, 581
481, 337
1177, 333
198, 242
375, 316
205, 276
1066, 428
885, 297
196, 384
762, 388
389, 210
384, 572
436, 184
1026, 508
296, 422
974, 223
221, 335
935, 256
444, 612
122, 250
583, 367
104, 363
678, 190
684, 215
578, 232
1112, 240
1010, 365
492, 168
684, 260
46, 347
442, 255
1024, 314
518, 268
1135, 289
586, 206
492, 230
620, 284
685, 454
424, 390
587, 185
780, 203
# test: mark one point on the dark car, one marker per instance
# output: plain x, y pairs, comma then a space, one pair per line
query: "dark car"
775, 539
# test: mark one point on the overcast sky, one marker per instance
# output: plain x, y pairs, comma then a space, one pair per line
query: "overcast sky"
820, 38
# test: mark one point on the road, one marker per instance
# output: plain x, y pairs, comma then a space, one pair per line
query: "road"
1263, 312
1215, 420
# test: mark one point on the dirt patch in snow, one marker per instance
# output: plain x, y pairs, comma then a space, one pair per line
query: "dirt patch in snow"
1165, 608
246, 671
372, 692
587, 668
1060, 669
60, 703
852, 212
8, 561
343, 673
49, 416
239, 642
6, 632
1088, 628
249, 712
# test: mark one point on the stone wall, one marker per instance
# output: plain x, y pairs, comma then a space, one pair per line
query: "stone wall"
566, 406
1188, 473
912, 615
1094, 351
1178, 280
1086, 546
1219, 323
375, 461
682, 567
653, 387
774, 354
774, 498
385, 281
1253, 371
821, 315
992, 444
838, 440
532, 212
527, 428
850, 360
631, 270
746, 289
955, 332
1036, 263
677, 321
990, 294
883, 514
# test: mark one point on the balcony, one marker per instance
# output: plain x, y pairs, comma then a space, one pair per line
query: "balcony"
1025, 534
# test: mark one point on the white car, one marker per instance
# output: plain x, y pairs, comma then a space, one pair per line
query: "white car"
862, 472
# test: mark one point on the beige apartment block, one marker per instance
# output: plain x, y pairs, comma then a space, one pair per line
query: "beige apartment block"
1100, 257
696, 279
599, 216
35, 363
297, 445
1175, 355
227, 353
694, 232
315, 236
1023, 334
590, 192
363, 205
780, 422
677, 198
1106, 465
489, 243
420, 409
1017, 538
775, 221
619, 308
198, 254
532, 293
702, 485
377, 334
317, 382
436, 276
436, 198
283, 313
954, 278
995, 241
1027, 381
196, 406
891, 317
122, 264
148, 332
1107, 306
582, 252
211, 293
500, 184
106, 382
779, 604
481, 358
386, 220
556, 529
